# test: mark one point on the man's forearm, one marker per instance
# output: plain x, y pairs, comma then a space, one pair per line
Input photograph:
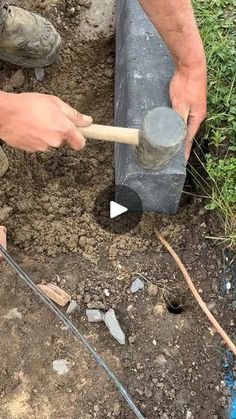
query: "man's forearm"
175, 22
177, 26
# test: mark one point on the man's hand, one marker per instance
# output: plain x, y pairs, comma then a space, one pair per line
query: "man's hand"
188, 89
35, 122
177, 26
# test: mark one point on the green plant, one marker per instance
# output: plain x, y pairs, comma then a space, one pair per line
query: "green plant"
222, 174
219, 189
216, 19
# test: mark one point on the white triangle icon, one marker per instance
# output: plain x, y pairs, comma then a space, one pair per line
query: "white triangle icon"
116, 209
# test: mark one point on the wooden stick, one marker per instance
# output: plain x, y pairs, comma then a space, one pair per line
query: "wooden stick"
193, 289
115, 134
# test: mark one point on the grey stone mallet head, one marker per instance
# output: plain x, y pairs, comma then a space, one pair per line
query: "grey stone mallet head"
157, 141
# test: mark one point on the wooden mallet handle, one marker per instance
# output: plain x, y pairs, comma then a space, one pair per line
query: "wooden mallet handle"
115, 134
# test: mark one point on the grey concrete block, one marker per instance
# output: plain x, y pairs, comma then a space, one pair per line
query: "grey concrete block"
143, 72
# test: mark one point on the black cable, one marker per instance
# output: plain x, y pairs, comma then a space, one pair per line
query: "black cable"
70, 325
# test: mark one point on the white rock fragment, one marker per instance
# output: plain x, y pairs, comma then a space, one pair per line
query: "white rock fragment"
106, 292
60, 366
228, 286
137, 285
72, 307
94, 315
39, 73
13, 314
189, 414
114, 327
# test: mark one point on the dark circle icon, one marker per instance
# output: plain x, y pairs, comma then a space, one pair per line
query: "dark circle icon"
118, 209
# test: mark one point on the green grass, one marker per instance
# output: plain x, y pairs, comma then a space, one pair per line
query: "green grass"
217, 22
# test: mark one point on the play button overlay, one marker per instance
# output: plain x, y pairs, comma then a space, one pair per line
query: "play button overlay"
118, 209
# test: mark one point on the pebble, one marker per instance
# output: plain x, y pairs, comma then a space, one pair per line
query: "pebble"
189, 415
4, 164
114, 327
132, 339
148, 393
117, 409
85, 3
137, 285
17, 79
60, 366
107, 292
82, 241
95, 316
152, 289
96, 304
71, 11
72, 307
158, 310
6, 211
39, 73
87, 298
13, 314
228, 286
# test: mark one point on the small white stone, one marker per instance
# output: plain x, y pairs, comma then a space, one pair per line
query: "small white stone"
60, 366
94, 315
39, 73
154, 342
189, 415
13, 314
137, 285
106, 292
228, 286
72, 307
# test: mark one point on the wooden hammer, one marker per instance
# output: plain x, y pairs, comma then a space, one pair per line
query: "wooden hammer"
157, 141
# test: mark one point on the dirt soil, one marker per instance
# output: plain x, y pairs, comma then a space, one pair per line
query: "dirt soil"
171, 363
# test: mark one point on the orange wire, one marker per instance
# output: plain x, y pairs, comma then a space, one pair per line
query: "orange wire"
193, 289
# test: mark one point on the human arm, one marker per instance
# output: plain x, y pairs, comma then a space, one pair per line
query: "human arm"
177, 26
35, 122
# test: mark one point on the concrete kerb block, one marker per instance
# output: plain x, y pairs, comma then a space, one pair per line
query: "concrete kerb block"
143, 72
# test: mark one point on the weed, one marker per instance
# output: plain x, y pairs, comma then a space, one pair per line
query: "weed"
216, 19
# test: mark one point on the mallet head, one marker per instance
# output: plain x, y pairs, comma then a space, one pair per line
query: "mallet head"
160, 137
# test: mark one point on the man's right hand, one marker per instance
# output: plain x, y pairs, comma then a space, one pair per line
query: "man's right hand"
34, 122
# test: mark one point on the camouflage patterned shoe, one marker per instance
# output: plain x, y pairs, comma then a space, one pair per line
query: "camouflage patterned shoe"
27, 39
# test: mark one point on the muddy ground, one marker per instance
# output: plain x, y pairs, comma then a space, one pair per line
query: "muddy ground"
171, 363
